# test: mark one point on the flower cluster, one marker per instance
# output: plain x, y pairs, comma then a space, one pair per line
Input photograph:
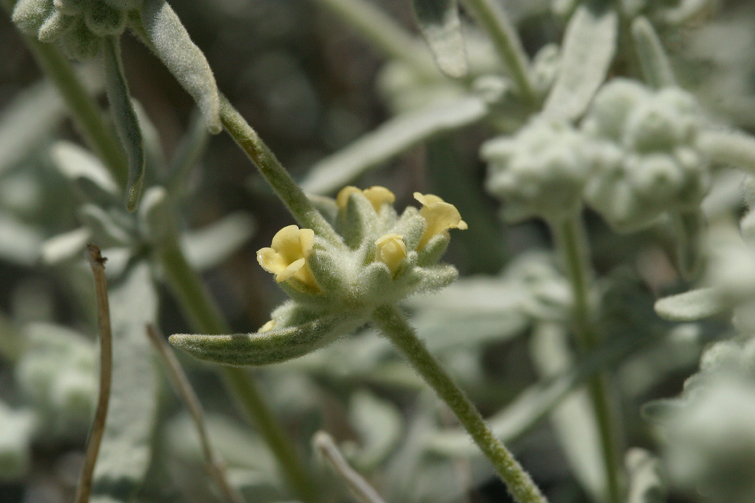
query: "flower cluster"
645, 161
77, 25
382, 258
633, 160
540, 171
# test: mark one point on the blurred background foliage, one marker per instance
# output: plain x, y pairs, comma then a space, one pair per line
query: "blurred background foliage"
310, 86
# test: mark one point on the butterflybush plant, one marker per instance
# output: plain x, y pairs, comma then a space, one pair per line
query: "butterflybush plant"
565, 113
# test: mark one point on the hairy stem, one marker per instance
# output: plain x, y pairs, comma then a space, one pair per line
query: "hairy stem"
506, 42
277, 176
572, 244
395, 327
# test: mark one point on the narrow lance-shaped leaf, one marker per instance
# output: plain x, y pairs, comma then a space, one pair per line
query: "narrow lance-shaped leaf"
439, 22
587, 51
126, 122
126, 449
692, 305
389, 140
172, 44
263, 348
656, 67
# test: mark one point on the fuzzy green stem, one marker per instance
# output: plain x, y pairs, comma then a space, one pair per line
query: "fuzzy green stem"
87, 116
506, 42
571, 242
395, 327
206, 318
384, 34
285, 187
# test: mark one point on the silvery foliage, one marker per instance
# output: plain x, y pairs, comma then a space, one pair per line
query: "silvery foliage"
709, 431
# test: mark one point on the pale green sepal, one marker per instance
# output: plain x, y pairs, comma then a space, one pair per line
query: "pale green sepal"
430, 279
80, 43
376, 280
328, 269
55, 26
30, 15
434, 249
692, 305
646, 478
126, 121
588, 49
440, 24
412, 226
264, 348
133, 411
656, 67
357, 221
106, 231
174, 47
103, 19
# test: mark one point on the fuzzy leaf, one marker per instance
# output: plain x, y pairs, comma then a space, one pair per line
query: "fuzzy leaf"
379, 424
126, 121
75, 162
16, 428
126, 449
263, 348
656, 67
390, 139
19, 242
692, 305
645, 477
174, 47
439, 22
209, 246
65, 246
588, 49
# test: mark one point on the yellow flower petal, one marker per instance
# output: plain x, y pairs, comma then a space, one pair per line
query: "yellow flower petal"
376, 195
391, 250
267, 326
440, 216
287, 257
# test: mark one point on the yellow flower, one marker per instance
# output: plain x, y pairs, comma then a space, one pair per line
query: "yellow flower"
267, 327
378, 196
440, 217
391, 250
288, 256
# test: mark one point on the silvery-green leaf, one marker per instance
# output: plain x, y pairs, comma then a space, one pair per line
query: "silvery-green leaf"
588, 49
27, 119
734, 148
263, 348
66, 246
574, 419
660, 411
16, 427
174, 47
189, 151
19, 242
390, 139
125, 119
207, 247
55, 26
76, 164
379, 425
29, 15
656, 67
692, 305
155, 219
646, 481
126, 449
439, 22
105, 230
